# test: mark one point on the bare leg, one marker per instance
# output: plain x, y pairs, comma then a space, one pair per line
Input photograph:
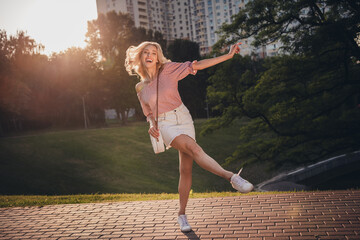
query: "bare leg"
185, 168
186, 144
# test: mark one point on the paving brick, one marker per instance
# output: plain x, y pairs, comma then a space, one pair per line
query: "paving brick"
299, 215
276, 238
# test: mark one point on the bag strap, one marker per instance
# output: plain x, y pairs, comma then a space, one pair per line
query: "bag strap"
157, 101
157, 98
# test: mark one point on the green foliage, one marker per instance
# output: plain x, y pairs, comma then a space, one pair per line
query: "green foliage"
37, 91
109, 36
76, 74
301, 110
20, 63
303, 26
226, 90
302, 107
193, 88
183, 50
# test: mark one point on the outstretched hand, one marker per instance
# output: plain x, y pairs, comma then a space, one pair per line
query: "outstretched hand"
234, 49
205, 63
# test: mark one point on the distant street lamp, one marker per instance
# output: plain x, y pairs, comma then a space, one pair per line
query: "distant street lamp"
84, 108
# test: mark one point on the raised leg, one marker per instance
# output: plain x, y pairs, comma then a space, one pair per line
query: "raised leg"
187, 145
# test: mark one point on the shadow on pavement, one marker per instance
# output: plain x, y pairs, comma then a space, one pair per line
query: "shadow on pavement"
192, 235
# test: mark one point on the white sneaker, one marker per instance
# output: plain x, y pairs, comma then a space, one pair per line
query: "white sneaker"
184, 224
241, 184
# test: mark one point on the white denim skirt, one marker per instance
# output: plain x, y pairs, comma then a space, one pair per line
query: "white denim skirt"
174, 123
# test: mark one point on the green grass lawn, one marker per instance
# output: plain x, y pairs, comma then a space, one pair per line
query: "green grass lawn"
110, 160
42, 200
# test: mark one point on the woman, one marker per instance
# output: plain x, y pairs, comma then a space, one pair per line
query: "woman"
175, 124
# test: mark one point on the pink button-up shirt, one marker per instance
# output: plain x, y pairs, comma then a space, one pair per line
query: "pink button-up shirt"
169, 97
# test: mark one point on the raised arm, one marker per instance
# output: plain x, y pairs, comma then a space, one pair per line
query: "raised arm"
213, 61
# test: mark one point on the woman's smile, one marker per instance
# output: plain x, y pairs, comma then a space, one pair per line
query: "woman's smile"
149, 56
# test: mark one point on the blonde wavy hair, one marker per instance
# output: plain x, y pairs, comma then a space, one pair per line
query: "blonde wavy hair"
134, 65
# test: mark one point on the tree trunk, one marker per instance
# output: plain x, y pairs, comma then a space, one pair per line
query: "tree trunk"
122, 116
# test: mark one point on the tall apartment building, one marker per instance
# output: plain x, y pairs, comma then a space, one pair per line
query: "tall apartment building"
196, 20
211, 14
183, 19
137, 9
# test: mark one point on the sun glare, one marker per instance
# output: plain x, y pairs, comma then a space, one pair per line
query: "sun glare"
56, 24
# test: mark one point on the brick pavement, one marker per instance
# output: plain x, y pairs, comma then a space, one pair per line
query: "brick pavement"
290, 216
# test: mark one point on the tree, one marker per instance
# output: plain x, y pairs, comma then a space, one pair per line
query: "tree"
17, 53
109, 36
75, 84
301, 25
193, 88
227, 85
303, 106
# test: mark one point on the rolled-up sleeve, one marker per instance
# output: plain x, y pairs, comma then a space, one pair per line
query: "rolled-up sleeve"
179, 71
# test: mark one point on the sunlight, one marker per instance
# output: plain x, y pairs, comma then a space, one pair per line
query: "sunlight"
57, 25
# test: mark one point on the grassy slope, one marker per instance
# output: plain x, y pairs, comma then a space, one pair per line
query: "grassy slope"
110, 160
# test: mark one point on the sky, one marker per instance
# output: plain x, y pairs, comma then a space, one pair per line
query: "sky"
57, 24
